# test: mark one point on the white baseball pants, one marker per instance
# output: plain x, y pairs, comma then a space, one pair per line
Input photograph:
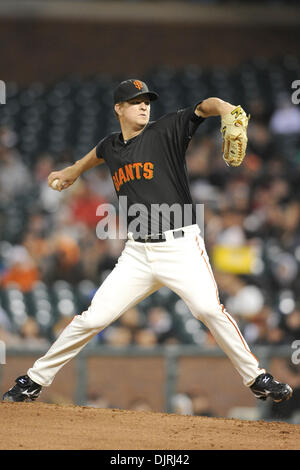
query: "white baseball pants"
182, 265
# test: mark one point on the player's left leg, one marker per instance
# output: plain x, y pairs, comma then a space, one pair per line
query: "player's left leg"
130, 281
185, 268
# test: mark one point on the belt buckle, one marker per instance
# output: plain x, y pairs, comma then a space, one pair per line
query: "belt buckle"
154, 237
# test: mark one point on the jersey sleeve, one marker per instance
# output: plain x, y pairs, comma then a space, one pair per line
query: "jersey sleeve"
181, 126
100, 148
186, 122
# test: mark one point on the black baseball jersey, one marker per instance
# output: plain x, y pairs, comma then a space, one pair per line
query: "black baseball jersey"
150, 170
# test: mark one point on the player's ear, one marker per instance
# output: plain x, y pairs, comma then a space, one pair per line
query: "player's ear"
118, 107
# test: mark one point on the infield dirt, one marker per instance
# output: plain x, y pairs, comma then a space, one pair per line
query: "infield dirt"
41, 426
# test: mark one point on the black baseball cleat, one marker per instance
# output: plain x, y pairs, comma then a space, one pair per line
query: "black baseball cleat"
265, 386
24, 390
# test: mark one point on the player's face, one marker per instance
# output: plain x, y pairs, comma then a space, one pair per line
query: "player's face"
135, 112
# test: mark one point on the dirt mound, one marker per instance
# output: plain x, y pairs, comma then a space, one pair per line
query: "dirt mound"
41, 426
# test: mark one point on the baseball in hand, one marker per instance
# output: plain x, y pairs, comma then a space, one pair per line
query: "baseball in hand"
54, 183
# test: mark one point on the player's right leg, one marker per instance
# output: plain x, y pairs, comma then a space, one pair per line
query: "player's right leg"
183, 265
130, 281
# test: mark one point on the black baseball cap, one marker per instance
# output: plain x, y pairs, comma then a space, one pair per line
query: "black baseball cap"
132, 88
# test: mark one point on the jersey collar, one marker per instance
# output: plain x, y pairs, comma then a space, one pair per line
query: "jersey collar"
133, 139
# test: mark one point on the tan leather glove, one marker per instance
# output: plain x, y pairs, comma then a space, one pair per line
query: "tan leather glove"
234, 130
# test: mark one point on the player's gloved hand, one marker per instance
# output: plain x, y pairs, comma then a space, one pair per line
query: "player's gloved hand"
234, 130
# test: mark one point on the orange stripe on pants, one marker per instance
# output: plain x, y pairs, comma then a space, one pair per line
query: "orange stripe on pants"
222, 306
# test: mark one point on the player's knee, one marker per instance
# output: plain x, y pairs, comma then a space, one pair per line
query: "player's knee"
208, 310
93, 320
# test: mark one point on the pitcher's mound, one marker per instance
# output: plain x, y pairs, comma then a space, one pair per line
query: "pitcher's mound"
38, 426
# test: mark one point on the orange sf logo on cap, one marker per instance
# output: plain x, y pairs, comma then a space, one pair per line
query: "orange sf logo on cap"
138, 84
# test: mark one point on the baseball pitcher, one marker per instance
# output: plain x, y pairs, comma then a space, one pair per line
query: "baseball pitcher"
147, 164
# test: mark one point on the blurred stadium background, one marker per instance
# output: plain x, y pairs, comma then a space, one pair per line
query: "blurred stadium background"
60, 62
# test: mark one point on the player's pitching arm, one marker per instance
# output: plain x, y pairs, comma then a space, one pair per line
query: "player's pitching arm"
62, 179
234, 123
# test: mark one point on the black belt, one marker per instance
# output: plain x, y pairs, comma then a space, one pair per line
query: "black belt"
158, 237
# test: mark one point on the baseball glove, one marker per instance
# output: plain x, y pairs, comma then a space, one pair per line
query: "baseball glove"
234, 130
